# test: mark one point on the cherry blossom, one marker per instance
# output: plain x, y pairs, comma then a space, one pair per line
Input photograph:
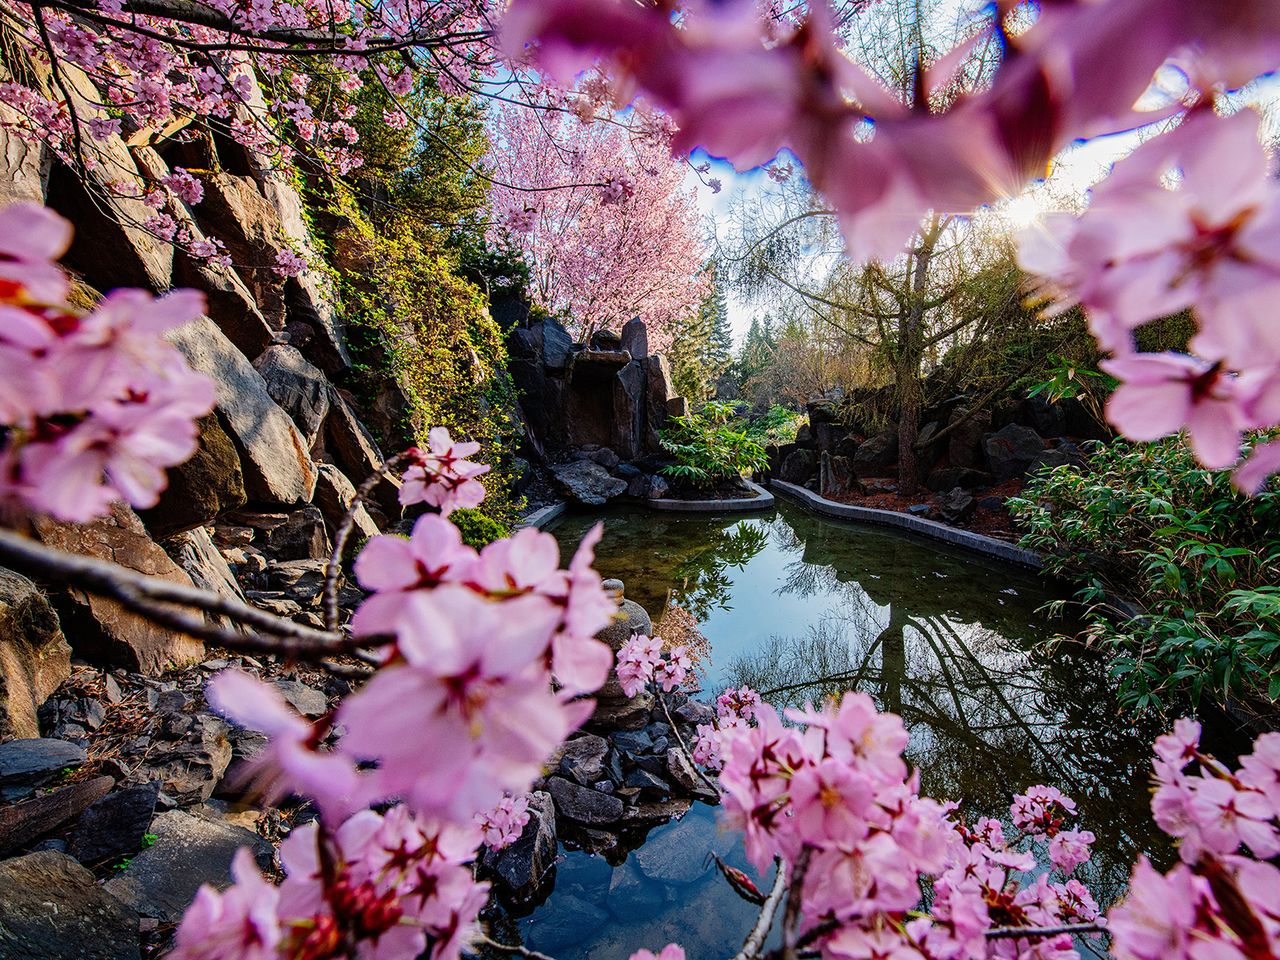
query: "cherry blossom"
442, 476
501, 826
671, 951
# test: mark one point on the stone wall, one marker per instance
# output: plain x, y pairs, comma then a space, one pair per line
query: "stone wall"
593, 411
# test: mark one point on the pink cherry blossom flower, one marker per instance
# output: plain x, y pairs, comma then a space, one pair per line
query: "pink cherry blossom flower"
1041, 810
442, 476
289, 264
239, 923
1162, 393
672, 951
31, 238
1156, 919
674, 670
1070, 848
503, 824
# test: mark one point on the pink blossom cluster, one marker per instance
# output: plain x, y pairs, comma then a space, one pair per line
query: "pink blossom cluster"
487, 657
442, 476
1218, 902
289, 264
501, 826
1189, 220
734, 708
393, 885
97, 405
672, 951
641, 661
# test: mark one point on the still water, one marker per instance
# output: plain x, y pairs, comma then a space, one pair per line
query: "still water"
804, 608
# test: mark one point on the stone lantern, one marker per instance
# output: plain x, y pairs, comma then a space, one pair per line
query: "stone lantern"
614, 709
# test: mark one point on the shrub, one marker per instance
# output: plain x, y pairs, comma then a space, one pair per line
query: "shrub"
709, 447
1145, 523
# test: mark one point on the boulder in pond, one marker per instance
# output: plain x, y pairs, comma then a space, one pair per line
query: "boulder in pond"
582, 759
588, 483
526, 864
678, 853
582, 804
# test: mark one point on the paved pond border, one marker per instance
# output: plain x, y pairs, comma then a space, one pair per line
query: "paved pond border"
987, 546
763, 500
540, 518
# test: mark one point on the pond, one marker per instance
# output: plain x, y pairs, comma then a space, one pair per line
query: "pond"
803, 608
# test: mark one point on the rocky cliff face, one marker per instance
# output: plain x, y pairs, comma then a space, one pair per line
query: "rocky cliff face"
594, 410
280, 455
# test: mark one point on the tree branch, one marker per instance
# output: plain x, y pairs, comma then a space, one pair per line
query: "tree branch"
755, 939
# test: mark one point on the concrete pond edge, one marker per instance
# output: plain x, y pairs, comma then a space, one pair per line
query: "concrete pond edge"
763, 500
976, 542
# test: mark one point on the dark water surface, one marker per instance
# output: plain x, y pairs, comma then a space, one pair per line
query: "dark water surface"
808, 607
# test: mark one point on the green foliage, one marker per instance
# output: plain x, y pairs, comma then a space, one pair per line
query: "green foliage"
477, 529
780, 425
709, 447
702, 344
404, 241
1146, 523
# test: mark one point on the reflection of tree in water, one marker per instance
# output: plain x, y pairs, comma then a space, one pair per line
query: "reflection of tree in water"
702, 580
987, 718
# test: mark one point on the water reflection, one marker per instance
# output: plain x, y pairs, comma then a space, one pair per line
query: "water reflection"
803, 608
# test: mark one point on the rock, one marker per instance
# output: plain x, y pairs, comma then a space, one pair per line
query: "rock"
1045, 418
605, 457
991, 503
231, 303
847, 447
24, 164
945, 478
804, 437
308, 702
630, 894
920, 510
114, 826
964, 443
29, 763
301, 581
334, 493
301, 390
190, 756
677, 408
635, 338
694, 712
628, 411
836, 477
660, 395
51, 908
647, 814
1011, 450
628, 471
564, 921
356, 453
202, 488
557, 345
1047, 460
34, 655
682, 772
582, 804
587, 482
23, 822
659, 489
103, 631
188, 851
605, 339
194, 552
955, 505
678, 855
590, 366
273, 454
798, 466
632, 741
582, 759
650, 785
526, 864
876, 456
301, 536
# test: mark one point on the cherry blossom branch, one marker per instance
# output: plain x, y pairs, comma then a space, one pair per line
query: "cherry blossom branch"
1005, 933
684, 747
334, 569
155, 599
768, 910
512, 948
791, 916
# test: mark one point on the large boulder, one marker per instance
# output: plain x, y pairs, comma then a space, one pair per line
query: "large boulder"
52, 908
582, 804
188, 851
557, 345
301, 389
356, 452
659, 392
627, 437
30, 763
24, 162
34, 655
836, 477
964, 443
334, 495
202, 488
194, 551
274, 456
876, 456
798, 466
955, 505
21, 824
526, 864
635, 338
116, 825
588, 483
1011, 450
102, 630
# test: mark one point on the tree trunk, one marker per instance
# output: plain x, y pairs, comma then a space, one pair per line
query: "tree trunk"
910, 354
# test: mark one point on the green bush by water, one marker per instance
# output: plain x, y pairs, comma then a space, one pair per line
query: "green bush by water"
1147, 524
709, 447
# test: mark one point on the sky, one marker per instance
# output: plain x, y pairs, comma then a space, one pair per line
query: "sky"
1073, 172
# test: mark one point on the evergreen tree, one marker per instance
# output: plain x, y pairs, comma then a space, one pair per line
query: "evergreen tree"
702, 347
